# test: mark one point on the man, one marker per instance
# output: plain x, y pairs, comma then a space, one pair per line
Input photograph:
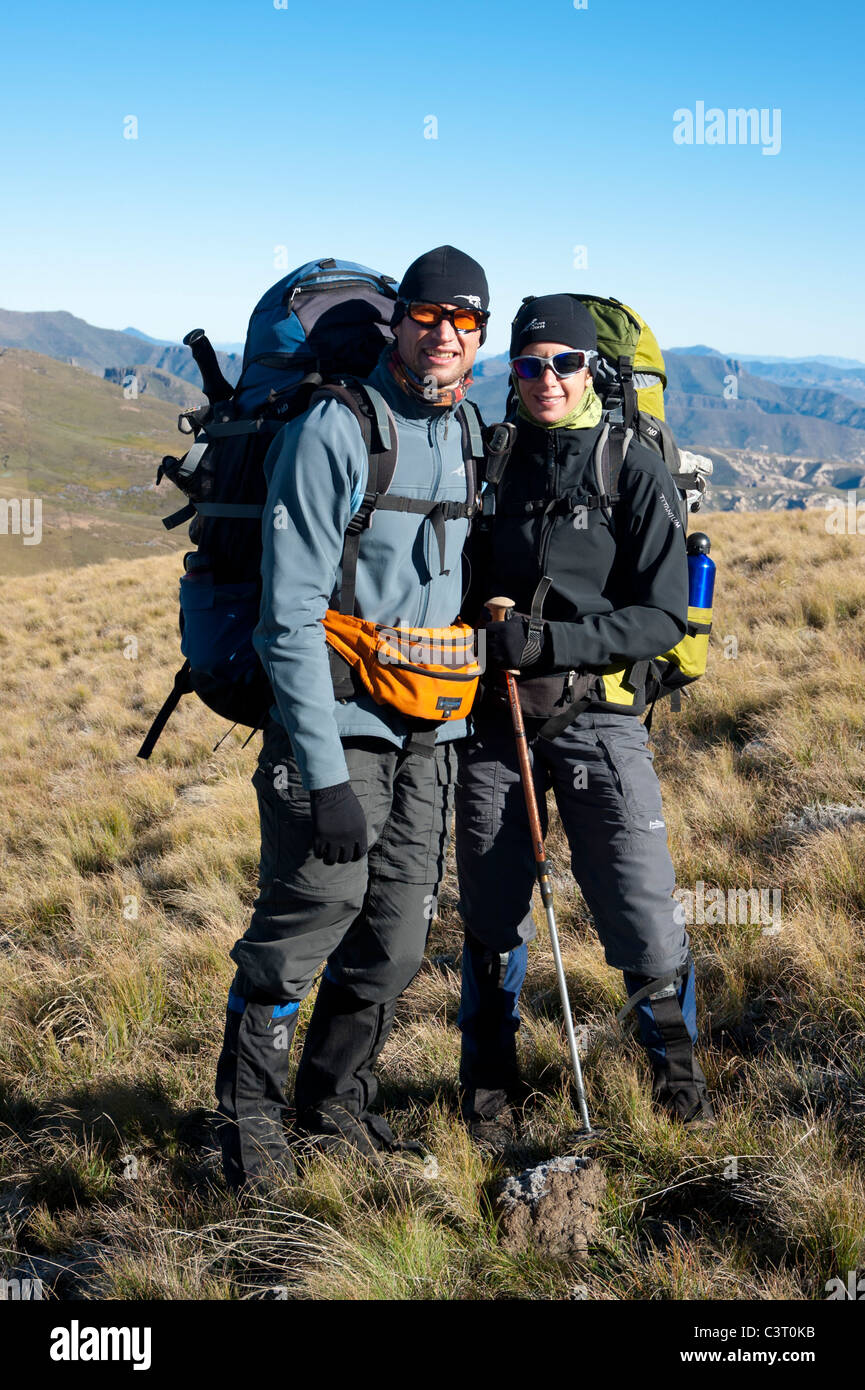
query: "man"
614, 595
355, 801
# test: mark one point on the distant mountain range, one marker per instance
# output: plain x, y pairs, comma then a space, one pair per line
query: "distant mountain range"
782, 432
73, 340
145, 337
702, 351
795, 387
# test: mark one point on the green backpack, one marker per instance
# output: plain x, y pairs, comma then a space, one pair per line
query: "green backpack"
630, 379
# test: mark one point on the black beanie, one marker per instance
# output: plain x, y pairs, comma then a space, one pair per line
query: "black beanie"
553, 318
446, 276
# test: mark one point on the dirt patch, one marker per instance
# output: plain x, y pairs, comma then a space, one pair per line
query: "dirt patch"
554, 1207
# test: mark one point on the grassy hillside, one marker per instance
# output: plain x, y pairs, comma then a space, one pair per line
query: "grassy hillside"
72, 440
125, 884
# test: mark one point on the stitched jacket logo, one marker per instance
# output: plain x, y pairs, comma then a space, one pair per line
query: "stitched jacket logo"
669, 510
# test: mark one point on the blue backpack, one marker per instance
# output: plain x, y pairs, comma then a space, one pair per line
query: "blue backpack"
320, 329
327, 318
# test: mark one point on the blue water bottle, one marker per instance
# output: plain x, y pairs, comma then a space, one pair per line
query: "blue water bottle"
701, 571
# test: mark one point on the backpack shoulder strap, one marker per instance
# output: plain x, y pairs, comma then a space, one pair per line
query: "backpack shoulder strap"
380, 435
499, 443
471, 427
610, 452
630, 406
378, 427
436, 513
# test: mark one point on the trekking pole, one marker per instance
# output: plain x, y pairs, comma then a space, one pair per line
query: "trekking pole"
499, 611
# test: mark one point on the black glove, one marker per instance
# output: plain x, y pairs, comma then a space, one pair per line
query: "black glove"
338, 824
506, 645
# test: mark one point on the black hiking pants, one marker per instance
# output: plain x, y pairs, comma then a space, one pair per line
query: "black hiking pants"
369, 921
601, 773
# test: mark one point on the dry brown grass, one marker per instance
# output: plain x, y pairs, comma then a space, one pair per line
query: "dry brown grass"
125, 884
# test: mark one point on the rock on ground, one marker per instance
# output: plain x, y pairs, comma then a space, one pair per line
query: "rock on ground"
819, 816
554, 1207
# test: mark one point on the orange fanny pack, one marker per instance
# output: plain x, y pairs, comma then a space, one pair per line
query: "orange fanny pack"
425, 672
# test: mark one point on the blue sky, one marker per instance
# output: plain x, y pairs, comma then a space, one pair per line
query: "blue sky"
303, 128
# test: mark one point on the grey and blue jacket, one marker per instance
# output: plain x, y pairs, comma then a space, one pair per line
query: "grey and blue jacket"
316, 472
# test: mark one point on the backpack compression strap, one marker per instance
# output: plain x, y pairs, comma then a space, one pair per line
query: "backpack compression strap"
556, 723
243, 511
182, 686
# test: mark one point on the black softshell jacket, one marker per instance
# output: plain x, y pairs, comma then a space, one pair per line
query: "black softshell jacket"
616, 599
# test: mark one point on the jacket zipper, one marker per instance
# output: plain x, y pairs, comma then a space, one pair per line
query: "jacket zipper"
549, 521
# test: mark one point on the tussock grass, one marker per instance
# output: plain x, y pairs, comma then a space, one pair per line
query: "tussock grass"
125, 884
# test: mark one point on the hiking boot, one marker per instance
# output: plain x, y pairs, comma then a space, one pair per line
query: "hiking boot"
491, 1119
336, 1082
336, 1131
255, 1153
496, 1135
273, 1171
686, 1101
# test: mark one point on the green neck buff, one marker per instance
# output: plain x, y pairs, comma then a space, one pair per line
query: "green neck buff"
585, 414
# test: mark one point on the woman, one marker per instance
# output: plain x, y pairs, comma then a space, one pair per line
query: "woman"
617, 596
